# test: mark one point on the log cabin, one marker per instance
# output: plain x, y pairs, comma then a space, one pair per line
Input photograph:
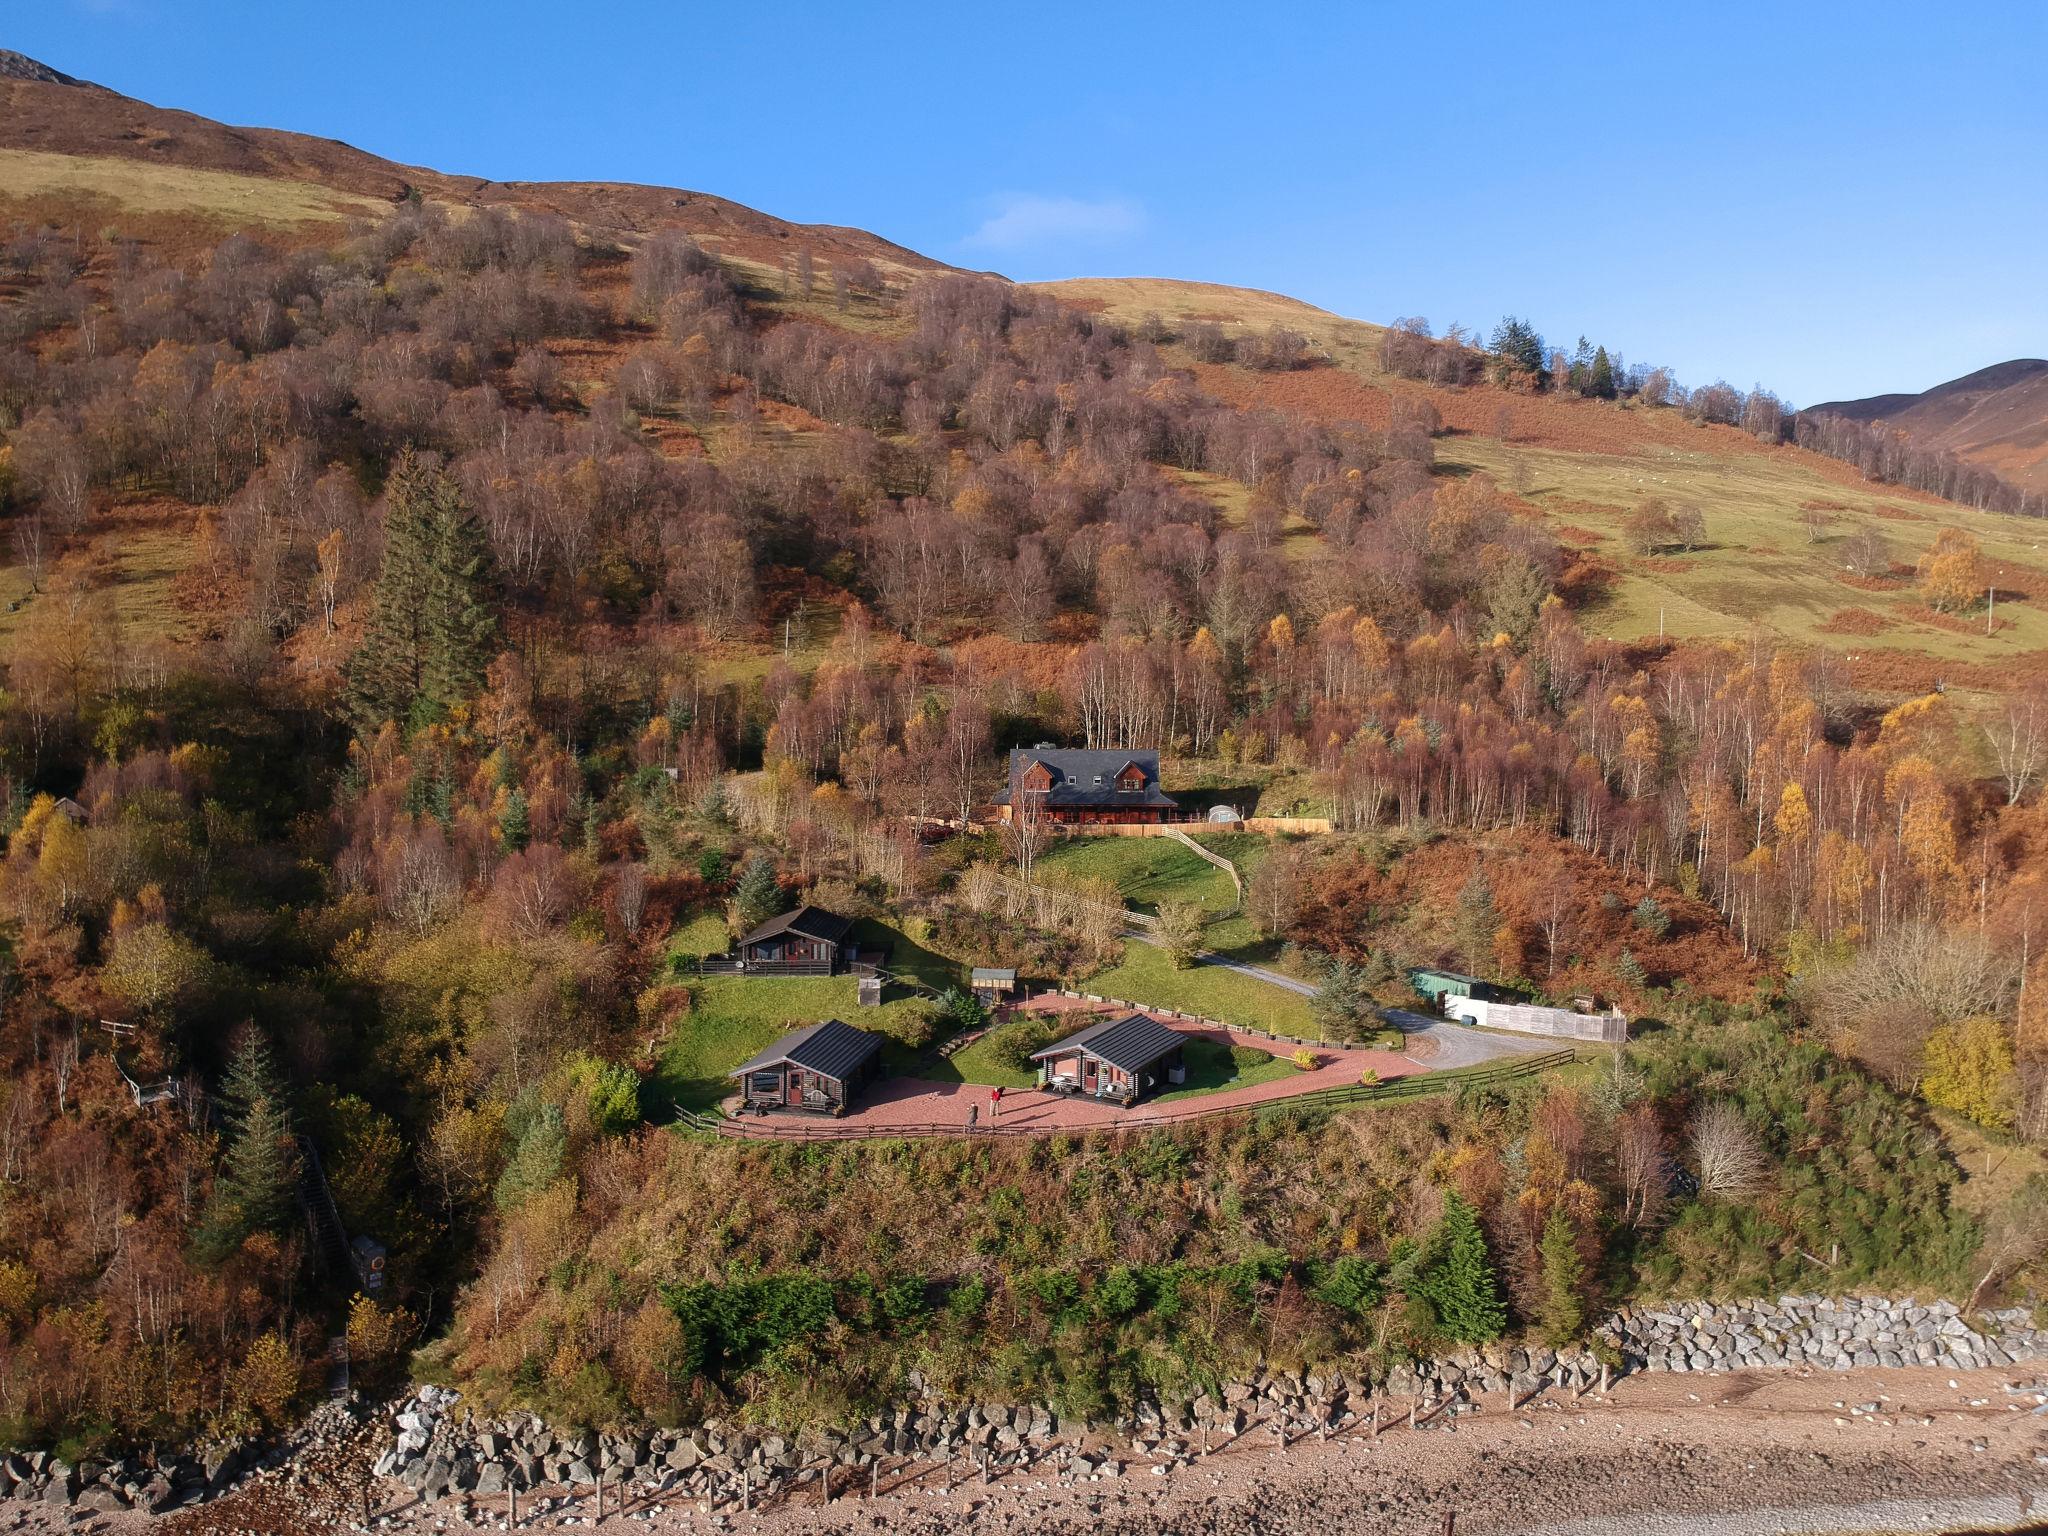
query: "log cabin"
1121, 1058
1083, 786
807, 942
816, 1069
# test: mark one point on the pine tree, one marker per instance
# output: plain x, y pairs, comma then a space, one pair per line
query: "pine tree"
462, 625
1600, 385
1518, 351
758, 896
515, 826
1564, 1272
253, 1191
1457, 1277
431, 629
1340, 1002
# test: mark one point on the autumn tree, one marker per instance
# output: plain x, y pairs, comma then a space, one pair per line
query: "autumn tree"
1969, 1069
1181, 925
1727, 1158
1948, 572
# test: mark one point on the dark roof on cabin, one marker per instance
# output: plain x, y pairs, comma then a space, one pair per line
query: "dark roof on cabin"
829, 1048
1132, 1042
993, 973
1077, 769
808, 922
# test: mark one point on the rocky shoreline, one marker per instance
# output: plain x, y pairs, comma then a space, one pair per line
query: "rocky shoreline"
437, 1450
432, 1446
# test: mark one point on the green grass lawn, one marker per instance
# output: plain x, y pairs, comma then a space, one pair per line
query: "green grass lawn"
1146, 976
975, 1063
735, 1016
701, 934
1146, 870
1211, 1070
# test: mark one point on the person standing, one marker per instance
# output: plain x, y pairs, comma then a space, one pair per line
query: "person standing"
973, 1115
995, 1102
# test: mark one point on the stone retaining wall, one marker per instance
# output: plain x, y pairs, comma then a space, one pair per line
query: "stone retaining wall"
721, 1465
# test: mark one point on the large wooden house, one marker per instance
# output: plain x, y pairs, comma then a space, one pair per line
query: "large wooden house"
1080, 786
817, 1069
1122, 1058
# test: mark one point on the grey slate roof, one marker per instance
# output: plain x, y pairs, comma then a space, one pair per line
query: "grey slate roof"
1132, 1042
829, 1048
993, 973
808, 922
1076, 771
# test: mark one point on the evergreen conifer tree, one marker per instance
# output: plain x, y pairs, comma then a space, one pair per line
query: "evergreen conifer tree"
1477, 922
1457, 1279
431, 628
1564, 1272
1600, 383
1340, 1003
758, 896
515, 827
253, 1191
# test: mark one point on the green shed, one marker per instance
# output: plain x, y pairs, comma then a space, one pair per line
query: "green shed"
1438, 985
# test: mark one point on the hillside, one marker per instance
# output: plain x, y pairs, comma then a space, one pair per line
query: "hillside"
133, 157
1778, 517
435, 626
1996, 417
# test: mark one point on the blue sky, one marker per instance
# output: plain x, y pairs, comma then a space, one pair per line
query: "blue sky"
1830, 200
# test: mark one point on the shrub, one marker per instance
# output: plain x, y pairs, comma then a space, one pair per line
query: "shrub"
1349, 1283
729, 1326
1011, 1044
612, 1090
914, 1023
1969, 1069
1650, 916
1305, 1059
1243, 1058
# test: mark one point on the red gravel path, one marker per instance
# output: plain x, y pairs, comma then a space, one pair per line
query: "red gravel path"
914, 1103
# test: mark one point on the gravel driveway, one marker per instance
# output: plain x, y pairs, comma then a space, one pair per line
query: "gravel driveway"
1460, 1045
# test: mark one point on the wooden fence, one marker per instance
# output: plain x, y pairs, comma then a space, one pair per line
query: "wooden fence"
1264, 824
1422, 1084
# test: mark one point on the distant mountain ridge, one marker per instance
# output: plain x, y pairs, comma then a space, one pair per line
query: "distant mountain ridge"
1996, 417
43, 110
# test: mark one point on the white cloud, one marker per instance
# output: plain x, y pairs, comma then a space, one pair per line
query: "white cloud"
1023, 220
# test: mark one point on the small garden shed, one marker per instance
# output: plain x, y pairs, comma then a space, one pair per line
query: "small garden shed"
1437, 985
